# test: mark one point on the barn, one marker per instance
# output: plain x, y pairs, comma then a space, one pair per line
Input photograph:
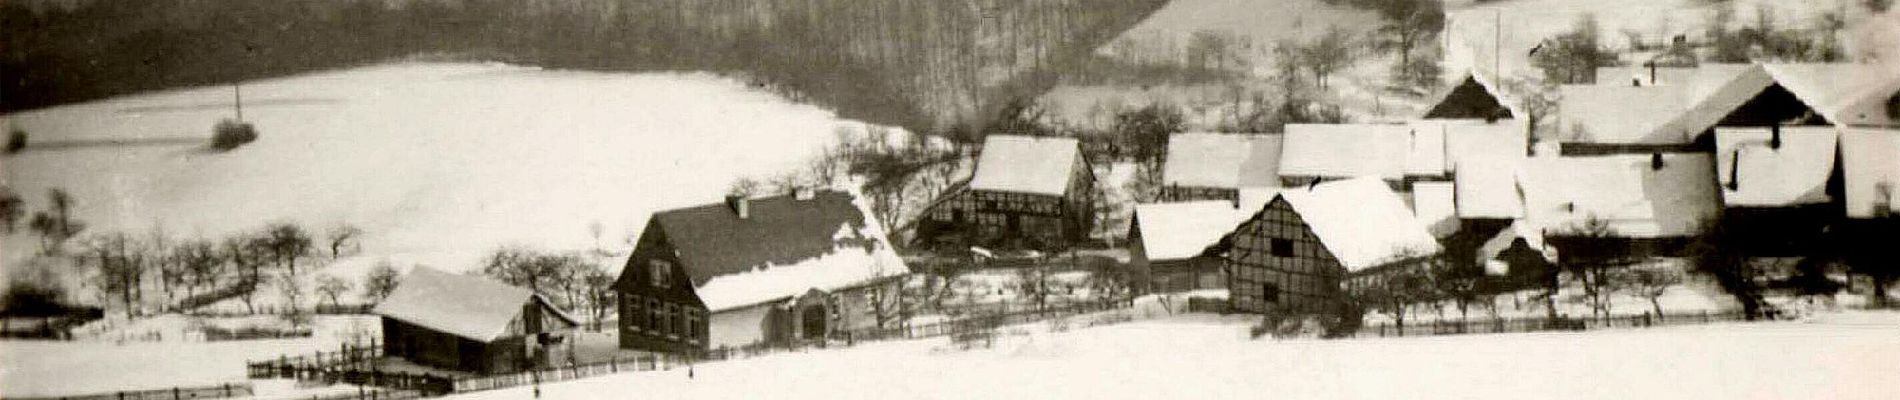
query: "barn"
1027, 193
1295, 254
757, 271
467, 323
1172, 246
1217, 166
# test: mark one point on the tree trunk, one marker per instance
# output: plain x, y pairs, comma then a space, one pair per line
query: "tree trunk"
1656, 303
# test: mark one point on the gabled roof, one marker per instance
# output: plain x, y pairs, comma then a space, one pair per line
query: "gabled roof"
1753, 173
1024, 164
1362, 222
1561, 193
465, 306
1621, 114
1870, 163
1222, 160
1346, 150
1833, 88
1472, 90
784, 246
1174, 231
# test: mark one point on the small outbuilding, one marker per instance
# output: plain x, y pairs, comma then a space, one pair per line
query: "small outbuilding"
471, 324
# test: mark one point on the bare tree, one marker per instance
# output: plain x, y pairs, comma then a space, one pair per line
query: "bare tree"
380, 281
1573, 57
291, 288
1327, 54
341, 237
286, 243
332, 287
1596, 259
56, 225
200, 262
1409, 23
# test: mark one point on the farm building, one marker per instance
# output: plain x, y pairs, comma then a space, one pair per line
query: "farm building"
1169, 243
1646, 203
1779, 187
1215, 166
471, 324
1026, 193
1870, 172
1324, 152
755, 271
1678, 110
1295, 253
1473, 95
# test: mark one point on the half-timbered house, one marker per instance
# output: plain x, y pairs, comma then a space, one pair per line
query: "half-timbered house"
1297, 251
467, 323
1173, 246
757, 271
1026, 193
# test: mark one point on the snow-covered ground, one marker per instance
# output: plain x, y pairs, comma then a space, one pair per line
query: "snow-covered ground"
1834, 356
55, 368
436, 162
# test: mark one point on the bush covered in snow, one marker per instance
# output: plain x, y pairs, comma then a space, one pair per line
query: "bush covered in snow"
229, 134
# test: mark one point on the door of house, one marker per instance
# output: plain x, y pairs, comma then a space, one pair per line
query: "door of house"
812, 322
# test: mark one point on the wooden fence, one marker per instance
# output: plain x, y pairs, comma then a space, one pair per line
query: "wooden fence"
964, 325
1512, 325
219, 391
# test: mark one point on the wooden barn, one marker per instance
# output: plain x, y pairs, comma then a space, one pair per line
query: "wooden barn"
757, 271
1780, 190
1295, 253
1026, 193
1173, 246
1217, 166
471, 324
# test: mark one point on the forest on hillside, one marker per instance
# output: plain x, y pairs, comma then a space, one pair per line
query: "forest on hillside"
927, 65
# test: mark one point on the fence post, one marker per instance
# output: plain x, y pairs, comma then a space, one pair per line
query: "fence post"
176, 394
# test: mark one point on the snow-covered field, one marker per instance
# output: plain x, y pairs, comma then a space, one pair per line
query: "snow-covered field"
32, 368
1834, 356
436, 162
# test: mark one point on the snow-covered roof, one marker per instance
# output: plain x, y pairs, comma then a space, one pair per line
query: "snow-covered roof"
784, 247
1870, 163
1362, 222
1487, 187
1832, 88
1489, 251
1623, 190
1222, 160
465, 306
1024, 164
1466, 139
1346, 150
1425, 154
1433, 203
1173, 231
1753, 173
1621, 114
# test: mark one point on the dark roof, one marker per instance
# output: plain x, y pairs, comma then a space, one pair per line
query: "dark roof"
712, 240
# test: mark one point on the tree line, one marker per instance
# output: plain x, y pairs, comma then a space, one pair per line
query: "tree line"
920, 64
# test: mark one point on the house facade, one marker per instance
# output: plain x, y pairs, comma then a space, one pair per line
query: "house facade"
756, 272
1295, 254
1027, 193
470, 324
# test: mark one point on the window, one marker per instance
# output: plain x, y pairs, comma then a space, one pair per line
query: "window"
637, 317
694, 331
682, 326
659, 273
665, 318
653, 315
1269, 292
1282, 247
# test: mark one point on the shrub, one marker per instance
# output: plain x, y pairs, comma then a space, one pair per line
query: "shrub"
230, 134
16, 141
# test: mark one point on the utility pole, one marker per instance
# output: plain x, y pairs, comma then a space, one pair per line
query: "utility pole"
237, 100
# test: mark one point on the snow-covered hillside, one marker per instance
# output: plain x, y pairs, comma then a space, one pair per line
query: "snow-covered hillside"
436, 162
1835, 356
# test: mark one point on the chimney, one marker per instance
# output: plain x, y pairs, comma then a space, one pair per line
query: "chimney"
740, 205
804, 193
1655, 161
1652, 72
1774, 136
1734, 170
